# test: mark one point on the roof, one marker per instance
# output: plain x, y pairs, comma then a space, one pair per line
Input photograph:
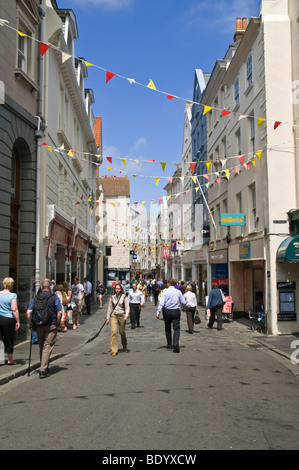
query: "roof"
115, 185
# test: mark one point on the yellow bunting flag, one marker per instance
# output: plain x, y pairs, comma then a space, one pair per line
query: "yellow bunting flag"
49, 148
206, 109
112, 203
157, 180
260, 122
70, 154
227, 173
91, 211
151, 85
208, 164
168, 197
253, 161
88, 64
143, 202
194, 179
89, 198
163, 165
197, 188
124, 161
22, 34
259, 154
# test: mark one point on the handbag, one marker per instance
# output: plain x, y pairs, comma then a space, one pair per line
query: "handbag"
197, 319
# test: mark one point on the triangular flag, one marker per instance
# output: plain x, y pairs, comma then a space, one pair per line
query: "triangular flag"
134, 176
109, 75
260, 122
259, 154
88, 64
109, 159
194, 179
170, 180
124, 161
109, 168
197, 188
49, 148
206, 177
163, 165
43, 48
22, 34
136, 161
177, 164
218, 181
65, 56
206, 109
89, 198
157, 180
227, 173
276, 124
151, 85
225, 113
193, 165
253, 161
237, 169
170, 97
151, 161
112, 203
168, 197
248, 165
159, 200
242, 116
188, 191
131, 80
70, 154
143, 202
241, 159
208, 164
91, 211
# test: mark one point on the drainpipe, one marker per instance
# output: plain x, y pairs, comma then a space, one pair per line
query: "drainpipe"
39, 133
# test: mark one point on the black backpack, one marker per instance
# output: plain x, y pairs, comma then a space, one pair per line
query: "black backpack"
41, 314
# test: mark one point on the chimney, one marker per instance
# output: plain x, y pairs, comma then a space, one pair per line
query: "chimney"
241, 26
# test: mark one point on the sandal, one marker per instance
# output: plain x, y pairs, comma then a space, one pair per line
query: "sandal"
13, 363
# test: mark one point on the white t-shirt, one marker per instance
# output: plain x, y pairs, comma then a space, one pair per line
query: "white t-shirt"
77, 290
190, 298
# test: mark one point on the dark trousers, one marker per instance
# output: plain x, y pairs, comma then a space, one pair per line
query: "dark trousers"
87, 303
172, 317
213, 310
190, 311
7, 331
134, 314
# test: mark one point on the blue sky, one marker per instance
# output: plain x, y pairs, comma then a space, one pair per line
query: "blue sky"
162, 40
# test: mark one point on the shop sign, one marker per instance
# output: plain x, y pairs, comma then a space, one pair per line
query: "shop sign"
232, 219
244, 250
227, 308
165, 252
221, 282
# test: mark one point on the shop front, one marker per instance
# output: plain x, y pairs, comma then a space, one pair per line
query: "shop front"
247, 276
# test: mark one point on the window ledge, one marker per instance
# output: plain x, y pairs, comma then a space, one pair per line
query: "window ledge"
23, 77
248, 89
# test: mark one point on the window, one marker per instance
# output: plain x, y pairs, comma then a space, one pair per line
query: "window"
252, 134
253, 208
238, 142
22, 53
249, 78
239, 210
237, 92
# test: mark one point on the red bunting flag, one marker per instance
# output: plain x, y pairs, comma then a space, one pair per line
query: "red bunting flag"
43, 48
170, 180
241, 159
159, 200
193, 165
225, 113
170, 97
218, 181
237, 169
150, 161
276, 124
109, 159
109, 75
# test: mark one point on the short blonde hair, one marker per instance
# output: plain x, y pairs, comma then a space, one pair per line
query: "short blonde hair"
189, 288
8, 282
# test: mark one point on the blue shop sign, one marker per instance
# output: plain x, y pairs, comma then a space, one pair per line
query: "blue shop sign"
244, 250
232, 219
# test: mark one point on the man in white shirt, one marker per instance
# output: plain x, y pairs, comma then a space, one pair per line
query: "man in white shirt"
136, 302
87, 294
77, 296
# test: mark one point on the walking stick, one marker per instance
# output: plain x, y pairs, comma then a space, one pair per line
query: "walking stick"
30, 352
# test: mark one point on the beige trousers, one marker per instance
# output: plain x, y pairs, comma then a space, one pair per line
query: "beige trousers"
46, 336
120, 321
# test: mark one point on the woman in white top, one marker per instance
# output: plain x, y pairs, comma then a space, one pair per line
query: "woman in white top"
191, 306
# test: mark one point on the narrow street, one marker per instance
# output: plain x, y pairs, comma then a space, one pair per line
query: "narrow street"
221, 391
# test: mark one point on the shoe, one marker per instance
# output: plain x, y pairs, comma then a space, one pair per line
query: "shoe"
12, 363
43, 375
125, 349
169, 346
176, 349
114, 354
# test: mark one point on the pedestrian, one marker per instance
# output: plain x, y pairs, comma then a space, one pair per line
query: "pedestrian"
191, 306
117, 314
155, 291
9, 318
170, 303
136, 302
77, 296
100, 290
215, 304
47, 331
142, 287
182, 287
87, 294
58, 290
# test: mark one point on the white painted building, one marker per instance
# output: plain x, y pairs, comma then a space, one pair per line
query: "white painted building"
254, 82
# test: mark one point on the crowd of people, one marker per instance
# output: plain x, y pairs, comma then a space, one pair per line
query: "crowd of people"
57, 305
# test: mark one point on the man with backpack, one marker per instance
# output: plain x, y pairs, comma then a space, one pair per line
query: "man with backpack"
44, 315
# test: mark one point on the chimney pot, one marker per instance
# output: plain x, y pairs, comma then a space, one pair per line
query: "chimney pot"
244, 24
238, 24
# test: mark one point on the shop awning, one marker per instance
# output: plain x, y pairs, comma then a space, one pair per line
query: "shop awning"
288, 250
